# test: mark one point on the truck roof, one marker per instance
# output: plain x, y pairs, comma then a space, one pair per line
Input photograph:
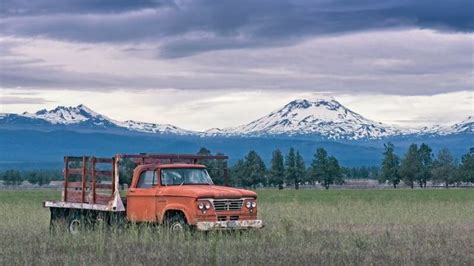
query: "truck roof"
173, 165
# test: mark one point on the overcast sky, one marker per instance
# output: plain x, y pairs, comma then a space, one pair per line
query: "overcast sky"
203, 64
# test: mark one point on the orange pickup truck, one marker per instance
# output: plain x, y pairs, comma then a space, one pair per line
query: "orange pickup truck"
169, 189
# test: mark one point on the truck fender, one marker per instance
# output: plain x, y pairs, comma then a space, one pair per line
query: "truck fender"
176, 207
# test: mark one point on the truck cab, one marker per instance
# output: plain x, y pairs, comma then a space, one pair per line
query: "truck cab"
184, 195
168, 189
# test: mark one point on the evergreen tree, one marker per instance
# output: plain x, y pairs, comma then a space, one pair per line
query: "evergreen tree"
126, 167
277, 170
319, 166
237, 172
334, 171
38, 177
12, 178
425, 155
254, 170
466, 169
326, 170
300, 169
390, 166
290, 163
444, 168
411, 165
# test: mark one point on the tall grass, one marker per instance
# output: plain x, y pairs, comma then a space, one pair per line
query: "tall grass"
302, 227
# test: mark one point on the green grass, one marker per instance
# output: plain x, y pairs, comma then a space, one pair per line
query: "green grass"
302, 227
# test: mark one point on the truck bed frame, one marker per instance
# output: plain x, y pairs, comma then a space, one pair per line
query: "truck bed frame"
90, 194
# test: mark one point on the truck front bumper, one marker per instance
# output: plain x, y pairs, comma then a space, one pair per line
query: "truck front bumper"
229, 225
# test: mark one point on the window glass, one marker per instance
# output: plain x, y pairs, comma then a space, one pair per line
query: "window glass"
185, 176
147, 179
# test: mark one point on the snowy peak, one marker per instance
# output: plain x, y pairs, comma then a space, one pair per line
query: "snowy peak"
83, 117
67, 115
464, 126
324, 117
155, 128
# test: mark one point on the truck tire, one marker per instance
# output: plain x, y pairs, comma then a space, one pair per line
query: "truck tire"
77, 222
176, 223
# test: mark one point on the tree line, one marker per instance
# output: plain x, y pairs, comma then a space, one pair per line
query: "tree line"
287, 169
36, 177
419, 165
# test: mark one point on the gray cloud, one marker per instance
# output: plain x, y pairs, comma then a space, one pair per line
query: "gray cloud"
22, 100
414, 62
185, 28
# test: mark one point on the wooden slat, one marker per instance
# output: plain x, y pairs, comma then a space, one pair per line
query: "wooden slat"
103, 198
103, 186
75, 171
93, 182
84, 177
74, 196
66, 173
103, 173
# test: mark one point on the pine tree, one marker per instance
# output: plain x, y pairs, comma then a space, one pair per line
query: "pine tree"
300, 169
254, 170
466, 169
237, 173
12, 178
334, 171
325, 170
444, 168
410, 166
390, 166
277, 170
425, 155
290, 169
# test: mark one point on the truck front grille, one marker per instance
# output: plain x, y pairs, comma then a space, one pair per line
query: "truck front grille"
228, 204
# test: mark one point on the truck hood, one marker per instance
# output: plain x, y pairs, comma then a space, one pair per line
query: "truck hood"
207, 191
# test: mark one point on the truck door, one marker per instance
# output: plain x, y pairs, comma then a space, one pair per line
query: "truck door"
141, 198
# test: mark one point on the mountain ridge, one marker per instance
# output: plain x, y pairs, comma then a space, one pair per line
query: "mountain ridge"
324, 118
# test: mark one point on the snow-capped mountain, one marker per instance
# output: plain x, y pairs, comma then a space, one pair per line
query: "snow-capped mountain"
465, 126
155, 128
85, 118
80, 114
324, 117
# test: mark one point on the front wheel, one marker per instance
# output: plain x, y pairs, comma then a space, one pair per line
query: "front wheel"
177, 224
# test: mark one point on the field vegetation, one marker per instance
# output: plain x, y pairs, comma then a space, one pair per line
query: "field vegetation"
403, 226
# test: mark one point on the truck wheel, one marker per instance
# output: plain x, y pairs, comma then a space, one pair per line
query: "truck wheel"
177, 224
75, 226
77, 223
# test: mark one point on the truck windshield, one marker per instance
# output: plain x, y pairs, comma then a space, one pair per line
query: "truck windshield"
185, 176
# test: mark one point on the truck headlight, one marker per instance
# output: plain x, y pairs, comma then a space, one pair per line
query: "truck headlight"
204, 205
254, 204
248, 204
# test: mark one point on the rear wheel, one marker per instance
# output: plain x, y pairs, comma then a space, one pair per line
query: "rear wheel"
79, 221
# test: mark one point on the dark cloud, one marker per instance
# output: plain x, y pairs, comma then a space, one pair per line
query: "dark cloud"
188, 27
48, 7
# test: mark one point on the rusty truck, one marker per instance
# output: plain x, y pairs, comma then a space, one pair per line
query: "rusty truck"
173, 190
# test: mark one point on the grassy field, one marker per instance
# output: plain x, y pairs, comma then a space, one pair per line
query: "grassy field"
302, 227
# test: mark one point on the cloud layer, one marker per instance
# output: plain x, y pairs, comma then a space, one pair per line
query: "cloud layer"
188, 27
